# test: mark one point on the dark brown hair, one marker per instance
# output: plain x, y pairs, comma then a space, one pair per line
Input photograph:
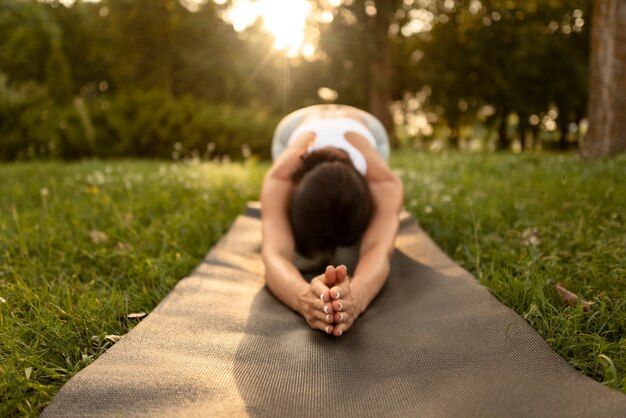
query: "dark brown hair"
331, 204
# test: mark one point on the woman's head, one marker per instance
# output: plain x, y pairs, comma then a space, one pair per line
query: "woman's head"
331, 204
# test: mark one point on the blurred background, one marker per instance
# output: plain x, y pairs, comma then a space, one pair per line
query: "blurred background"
212, 78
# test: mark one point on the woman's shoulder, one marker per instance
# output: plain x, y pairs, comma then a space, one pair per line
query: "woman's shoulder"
377, 168
287, 163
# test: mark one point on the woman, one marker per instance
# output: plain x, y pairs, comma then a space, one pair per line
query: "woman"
329, 187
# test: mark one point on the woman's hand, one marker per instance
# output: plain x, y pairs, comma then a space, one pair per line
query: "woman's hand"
344, 302
314, 303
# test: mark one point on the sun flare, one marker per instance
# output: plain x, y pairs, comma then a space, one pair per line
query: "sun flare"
284, 19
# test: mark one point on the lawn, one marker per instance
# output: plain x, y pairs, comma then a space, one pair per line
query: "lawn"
83, 245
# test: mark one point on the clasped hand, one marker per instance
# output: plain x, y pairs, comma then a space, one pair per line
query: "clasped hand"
330, 304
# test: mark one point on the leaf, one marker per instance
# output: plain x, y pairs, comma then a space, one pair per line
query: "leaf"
530, 237
113, 338
124, 246
494, 237
27, 372
127, 219
98, 237
609, 371
2, 300
136, 315
570, 298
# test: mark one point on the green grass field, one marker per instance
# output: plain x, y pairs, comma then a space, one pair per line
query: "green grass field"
82, 245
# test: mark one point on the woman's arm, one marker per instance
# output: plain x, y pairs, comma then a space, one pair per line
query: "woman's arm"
352, 297
283, 279
377, 245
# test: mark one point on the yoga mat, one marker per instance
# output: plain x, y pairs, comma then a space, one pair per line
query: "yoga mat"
435, 343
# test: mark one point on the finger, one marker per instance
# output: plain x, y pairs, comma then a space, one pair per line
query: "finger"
343, 327
321, 316
320, 290
342, 273
338, 292
327, 307
338, 305
322, 326
329, 329
344, 305
330, 276
340, 317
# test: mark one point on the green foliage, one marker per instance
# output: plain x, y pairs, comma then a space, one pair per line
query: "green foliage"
65, 287
521, 57
528, 58
27, 30
128, 79
152, 123
135, 123
58, 76
32, 126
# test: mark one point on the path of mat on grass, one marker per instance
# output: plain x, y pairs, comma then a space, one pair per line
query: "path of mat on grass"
434, 343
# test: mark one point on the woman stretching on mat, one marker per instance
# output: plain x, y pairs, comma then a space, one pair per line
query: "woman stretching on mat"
329, 187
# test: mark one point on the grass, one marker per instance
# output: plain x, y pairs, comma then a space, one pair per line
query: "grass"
522, 223
82, 245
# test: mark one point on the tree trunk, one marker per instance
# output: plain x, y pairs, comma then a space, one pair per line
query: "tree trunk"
454, 140
534, 134
563, 142
380, 68
503, 140
562, 123
607, 81
521, 129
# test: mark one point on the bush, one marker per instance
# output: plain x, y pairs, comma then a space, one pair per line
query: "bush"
30, 125
131, 124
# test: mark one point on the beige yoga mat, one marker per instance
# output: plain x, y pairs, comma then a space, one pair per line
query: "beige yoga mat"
435, 343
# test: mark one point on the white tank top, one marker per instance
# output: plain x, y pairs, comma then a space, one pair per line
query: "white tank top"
329, 132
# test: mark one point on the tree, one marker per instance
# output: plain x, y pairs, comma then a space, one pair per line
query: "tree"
58, 76
359, 37
515, 57
356, 55
27, 31
607, 81
86, 42
380, 63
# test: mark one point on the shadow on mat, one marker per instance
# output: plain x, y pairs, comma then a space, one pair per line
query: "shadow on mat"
282, 367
